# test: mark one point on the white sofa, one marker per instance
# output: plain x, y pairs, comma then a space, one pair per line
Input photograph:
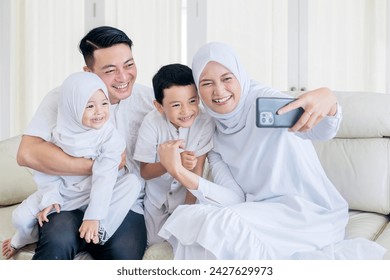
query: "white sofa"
357, 161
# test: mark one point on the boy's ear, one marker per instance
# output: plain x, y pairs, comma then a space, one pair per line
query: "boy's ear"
158, 106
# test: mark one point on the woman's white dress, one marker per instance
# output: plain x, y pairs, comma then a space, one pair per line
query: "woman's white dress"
271, 198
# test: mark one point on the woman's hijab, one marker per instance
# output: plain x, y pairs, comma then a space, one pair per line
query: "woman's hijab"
223, 54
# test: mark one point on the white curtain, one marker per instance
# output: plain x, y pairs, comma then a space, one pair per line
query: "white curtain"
257, 29
43, 48
347, 44
154, 26
345, 40
44, 42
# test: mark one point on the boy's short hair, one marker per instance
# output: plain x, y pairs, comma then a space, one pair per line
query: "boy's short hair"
100, 38
171, 75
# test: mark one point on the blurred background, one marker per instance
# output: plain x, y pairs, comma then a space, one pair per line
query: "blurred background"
292, 45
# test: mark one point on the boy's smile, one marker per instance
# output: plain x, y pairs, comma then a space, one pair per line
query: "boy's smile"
180, 105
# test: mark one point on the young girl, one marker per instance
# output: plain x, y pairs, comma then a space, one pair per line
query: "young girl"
83, 130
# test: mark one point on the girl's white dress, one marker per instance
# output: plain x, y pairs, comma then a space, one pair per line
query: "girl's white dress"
105, 196
271, 198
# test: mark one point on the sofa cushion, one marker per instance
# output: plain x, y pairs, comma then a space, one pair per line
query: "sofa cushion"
359, 168
372, 226
13, 188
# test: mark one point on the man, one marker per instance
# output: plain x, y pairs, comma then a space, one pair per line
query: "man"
107, 52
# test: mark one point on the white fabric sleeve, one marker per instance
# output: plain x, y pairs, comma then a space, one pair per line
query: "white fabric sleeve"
326, 129
45, 118
146, 145
206, 139
225, 191
104, 177
49, 187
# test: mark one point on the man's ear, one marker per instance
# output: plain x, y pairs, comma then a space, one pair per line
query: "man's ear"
159, 107
86, 69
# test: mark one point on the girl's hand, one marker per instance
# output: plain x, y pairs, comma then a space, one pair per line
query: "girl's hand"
89, 231
42, 215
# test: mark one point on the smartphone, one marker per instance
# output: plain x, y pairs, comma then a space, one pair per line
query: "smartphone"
266, 116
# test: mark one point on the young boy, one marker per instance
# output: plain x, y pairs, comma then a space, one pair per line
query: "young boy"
177, 116
83, 130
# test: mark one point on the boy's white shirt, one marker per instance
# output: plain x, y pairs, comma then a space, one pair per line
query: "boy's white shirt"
155, 130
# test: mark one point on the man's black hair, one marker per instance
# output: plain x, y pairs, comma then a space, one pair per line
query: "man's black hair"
100, 38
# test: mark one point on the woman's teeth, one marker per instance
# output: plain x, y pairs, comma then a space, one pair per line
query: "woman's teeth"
222, 99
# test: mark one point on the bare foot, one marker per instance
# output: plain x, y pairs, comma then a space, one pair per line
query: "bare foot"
7, 250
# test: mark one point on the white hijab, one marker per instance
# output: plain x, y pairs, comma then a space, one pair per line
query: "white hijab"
234, 121
70, 134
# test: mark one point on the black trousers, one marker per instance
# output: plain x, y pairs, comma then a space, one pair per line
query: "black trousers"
59, 239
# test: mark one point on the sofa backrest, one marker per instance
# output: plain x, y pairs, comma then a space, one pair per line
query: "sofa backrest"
357, 160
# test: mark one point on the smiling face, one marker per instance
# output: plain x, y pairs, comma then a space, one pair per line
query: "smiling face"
116, 67
180, 105
219, 88
96, 111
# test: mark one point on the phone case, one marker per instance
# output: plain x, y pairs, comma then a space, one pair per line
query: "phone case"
266, 116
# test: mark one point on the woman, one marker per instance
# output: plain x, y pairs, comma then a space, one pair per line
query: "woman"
270, 198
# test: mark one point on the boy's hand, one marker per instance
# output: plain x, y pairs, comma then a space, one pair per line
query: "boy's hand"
188, 160
89, 231
42, 215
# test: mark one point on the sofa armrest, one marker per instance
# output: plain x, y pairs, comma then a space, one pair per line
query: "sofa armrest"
16, 182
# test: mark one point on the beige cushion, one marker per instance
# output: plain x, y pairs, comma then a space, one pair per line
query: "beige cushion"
359, 168
159, 251
16, 182
372, 226
368, 115
367, 225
